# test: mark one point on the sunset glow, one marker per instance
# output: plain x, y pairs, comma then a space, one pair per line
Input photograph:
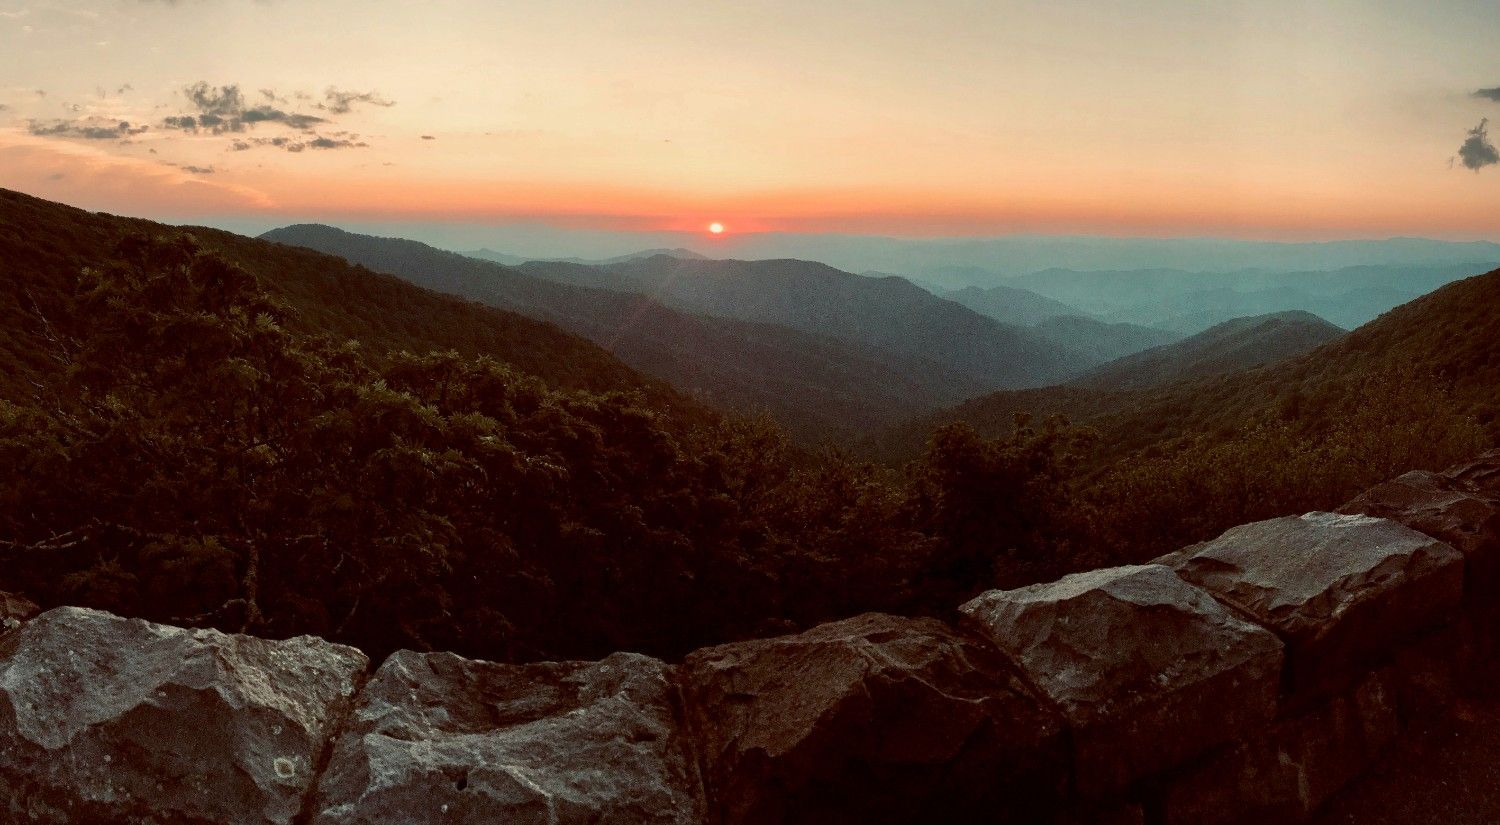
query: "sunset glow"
716, 228
1281, 119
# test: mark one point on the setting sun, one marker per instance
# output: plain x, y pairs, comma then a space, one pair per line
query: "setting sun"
716, 228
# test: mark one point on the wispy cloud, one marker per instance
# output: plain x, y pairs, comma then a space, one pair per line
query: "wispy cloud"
339, 140
1477, 152
342, 102
89, 128
1489, 94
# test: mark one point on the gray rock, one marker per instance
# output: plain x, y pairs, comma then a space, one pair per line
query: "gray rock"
1341, 590
872, 719
1149, 670
1286, 774
438, 738
1443, 508
1482, 475
104, 719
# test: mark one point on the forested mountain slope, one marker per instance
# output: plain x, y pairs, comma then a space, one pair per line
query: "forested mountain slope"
1101, 340
819, 386
1445, 344
1234, 345
891, 312
44, 246
1012, 305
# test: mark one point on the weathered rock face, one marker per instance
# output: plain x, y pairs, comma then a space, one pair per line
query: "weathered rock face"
1482, 475
1340, 590
871, 719
14, 610
438, 738
1148, 669
1286, 775
1441, 507
104, 719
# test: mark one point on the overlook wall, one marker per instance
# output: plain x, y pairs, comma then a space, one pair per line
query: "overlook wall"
1245, 679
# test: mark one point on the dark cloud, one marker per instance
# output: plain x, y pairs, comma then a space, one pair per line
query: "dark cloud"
1477, 151
429, 137
223, 109
199, 170
339, 140
335, 143
1489, 94
341, 102
91, 128
223, 100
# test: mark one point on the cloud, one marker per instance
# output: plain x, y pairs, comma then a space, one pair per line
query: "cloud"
89, 128
1489, 94
1477, 151
429, 137
342, 102
223, 109
198, 170
339, 140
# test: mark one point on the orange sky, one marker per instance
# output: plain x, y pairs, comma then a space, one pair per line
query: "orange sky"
1276, 119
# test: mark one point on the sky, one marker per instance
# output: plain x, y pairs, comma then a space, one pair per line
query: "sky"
1278, 119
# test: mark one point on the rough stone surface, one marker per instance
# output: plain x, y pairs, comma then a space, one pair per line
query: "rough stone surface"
1441, 507
104, 719
871, 719
1148, 670
1342, 591
1482, 475
14, 610
1287, 774
435, 737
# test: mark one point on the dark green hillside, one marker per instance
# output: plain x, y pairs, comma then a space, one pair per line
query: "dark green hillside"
1012, 305
1234, 345
1102, 341
819, 386
1446, 342
890, 313
44, 245
1415, 389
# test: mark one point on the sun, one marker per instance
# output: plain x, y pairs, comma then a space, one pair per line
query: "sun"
716, 228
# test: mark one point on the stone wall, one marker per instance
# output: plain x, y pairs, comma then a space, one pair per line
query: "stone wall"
1242, 680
